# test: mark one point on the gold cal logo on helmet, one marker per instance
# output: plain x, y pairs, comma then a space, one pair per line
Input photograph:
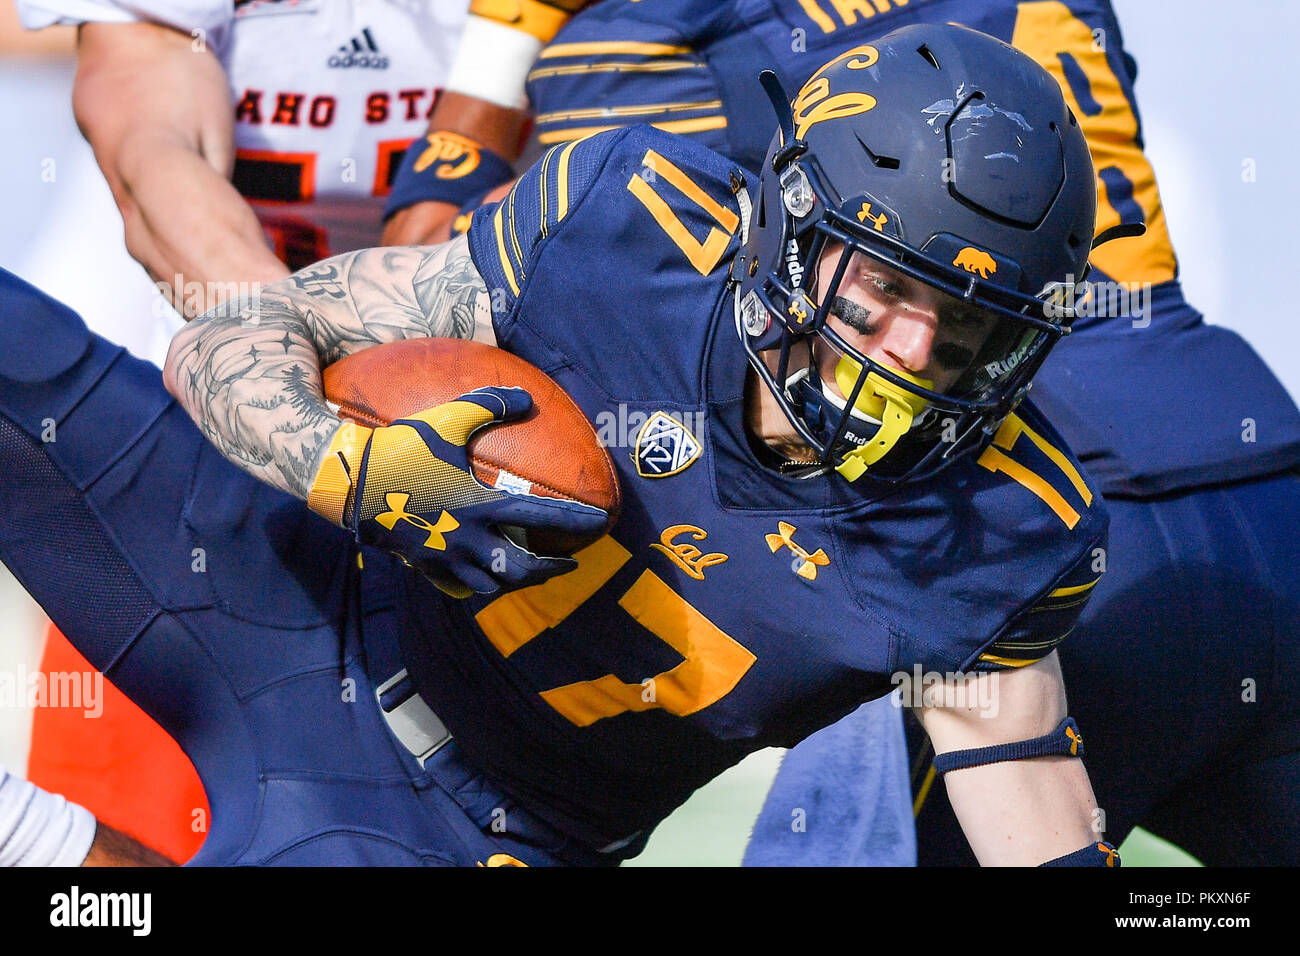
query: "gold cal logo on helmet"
815, 104
976, 261
457, 156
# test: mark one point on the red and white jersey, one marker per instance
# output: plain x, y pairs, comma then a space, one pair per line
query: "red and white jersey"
326, 95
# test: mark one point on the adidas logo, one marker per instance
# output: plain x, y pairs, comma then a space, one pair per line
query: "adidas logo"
361, 51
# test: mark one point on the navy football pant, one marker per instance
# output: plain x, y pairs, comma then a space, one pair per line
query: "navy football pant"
230, 613
809, 816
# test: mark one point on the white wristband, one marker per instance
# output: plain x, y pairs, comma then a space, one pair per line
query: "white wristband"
492, 63
39, 828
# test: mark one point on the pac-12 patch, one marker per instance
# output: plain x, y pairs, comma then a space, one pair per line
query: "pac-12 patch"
664, 447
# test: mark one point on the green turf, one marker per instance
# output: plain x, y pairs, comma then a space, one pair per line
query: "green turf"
712, 827
1147, 849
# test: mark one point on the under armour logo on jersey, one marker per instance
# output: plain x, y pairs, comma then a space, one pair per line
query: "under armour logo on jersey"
396, 501
686, 555
807, 563
664, 447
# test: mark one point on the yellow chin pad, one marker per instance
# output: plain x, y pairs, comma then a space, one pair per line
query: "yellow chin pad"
892, 405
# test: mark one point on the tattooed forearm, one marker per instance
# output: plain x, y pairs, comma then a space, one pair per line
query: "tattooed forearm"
453, 295
365, 298
254, 388
250, 377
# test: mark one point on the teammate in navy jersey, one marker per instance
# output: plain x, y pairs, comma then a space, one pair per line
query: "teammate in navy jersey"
832, 392
1165, 411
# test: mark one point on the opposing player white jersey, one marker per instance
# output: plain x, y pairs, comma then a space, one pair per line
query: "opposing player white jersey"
326, 95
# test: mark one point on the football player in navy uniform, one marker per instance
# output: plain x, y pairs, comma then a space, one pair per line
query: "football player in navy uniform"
830, 377
1191, 439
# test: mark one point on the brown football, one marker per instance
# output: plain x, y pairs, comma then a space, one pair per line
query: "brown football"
553, 448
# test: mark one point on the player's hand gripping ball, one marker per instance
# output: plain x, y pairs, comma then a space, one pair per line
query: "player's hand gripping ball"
467, 462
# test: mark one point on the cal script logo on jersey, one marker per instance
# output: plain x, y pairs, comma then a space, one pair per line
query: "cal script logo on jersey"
261, 8
664, 447
686, 555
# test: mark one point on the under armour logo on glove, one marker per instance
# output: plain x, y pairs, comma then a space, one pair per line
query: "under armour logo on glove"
414, 475
397, 512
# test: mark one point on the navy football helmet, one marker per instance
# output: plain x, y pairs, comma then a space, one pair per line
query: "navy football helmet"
952, 158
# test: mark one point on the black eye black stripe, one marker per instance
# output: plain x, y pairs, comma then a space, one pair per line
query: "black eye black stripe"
852, 315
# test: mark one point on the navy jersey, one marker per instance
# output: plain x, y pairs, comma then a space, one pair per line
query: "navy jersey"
1150, 397
732, 607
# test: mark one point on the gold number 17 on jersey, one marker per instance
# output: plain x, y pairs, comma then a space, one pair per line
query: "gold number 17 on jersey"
712, 661
704, 255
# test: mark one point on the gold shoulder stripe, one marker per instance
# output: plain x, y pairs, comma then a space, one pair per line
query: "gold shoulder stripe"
514, 238
994, 459
671, 126
546, 163
726, 218
509, 269
1007, 661
1015, 425
562, 181
645, 109
615, 66
611, 46
1079, 589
